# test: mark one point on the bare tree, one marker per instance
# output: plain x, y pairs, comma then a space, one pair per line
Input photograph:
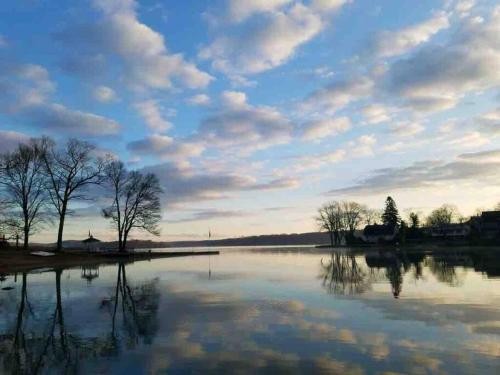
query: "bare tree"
446, 214
23, 182
136, 201
372, 216
353, 214
70, 170
330, 218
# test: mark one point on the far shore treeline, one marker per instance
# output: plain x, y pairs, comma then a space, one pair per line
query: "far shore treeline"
40, 180
341, 220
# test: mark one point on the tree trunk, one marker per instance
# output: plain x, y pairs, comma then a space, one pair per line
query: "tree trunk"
331, 239
62, 216
26, 236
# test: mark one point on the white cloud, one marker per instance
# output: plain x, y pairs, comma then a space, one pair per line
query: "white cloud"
147, 62
489, 123
104, 94
375, 113
313, 162
185, 184
268, 41
58, 118
406, 129
151, 112
239, 10
481, 167
469, 140
9, 140
242, 127
324, 128
432, 79
463, 7
339, 94
233, 99
23, 86
199, 99
362, 146
166, 147
393, 43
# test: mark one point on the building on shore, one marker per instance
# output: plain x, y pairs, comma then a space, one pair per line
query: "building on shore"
450, 231
379, 233
91, 243
487, 225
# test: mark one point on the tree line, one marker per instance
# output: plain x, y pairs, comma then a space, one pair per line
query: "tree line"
340, 219
40, 181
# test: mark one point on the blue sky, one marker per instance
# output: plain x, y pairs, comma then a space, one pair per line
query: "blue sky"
255, 112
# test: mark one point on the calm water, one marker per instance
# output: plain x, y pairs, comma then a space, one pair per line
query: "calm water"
280, 310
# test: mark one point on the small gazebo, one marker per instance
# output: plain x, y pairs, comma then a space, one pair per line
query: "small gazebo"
91, 243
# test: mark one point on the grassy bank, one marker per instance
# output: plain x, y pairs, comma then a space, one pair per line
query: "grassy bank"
22, 261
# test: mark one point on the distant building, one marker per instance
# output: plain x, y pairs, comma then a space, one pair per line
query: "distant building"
91, 243
450, 231
488, 225
379, 233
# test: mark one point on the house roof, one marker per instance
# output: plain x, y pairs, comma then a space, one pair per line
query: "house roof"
490, 215
378, 230
90, 240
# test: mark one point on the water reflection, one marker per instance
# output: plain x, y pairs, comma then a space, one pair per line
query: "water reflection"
39, 338
258, 315
350, 273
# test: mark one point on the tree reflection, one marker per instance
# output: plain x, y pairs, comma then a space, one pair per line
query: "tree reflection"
138, 307
343, 275
39, 338
444, 269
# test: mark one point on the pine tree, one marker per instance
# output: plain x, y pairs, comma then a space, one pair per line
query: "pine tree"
391, 214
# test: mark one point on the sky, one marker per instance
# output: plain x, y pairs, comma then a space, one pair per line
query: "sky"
253, 113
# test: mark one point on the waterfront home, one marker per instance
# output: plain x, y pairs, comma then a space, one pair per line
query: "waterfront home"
451, 231
379, 233
488, 225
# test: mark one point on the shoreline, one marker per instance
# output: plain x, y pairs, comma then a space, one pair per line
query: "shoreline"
13, 261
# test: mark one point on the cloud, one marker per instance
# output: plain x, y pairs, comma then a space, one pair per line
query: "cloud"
324, 128
147, 63
267, 41
375, 113
363, 145
210, 214
58, 118
199, 99
406, 129
393, 43
489, 123
339, 94
239, 10
166, 147
239, 125
104, 94
23, 86
9, 140
471, 167
469, 139
431, 79
188, 185
151, 112
313, 162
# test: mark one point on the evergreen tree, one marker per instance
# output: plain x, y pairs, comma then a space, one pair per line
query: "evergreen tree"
391, 214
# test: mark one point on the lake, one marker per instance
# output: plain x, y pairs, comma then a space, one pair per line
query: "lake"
267, 310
